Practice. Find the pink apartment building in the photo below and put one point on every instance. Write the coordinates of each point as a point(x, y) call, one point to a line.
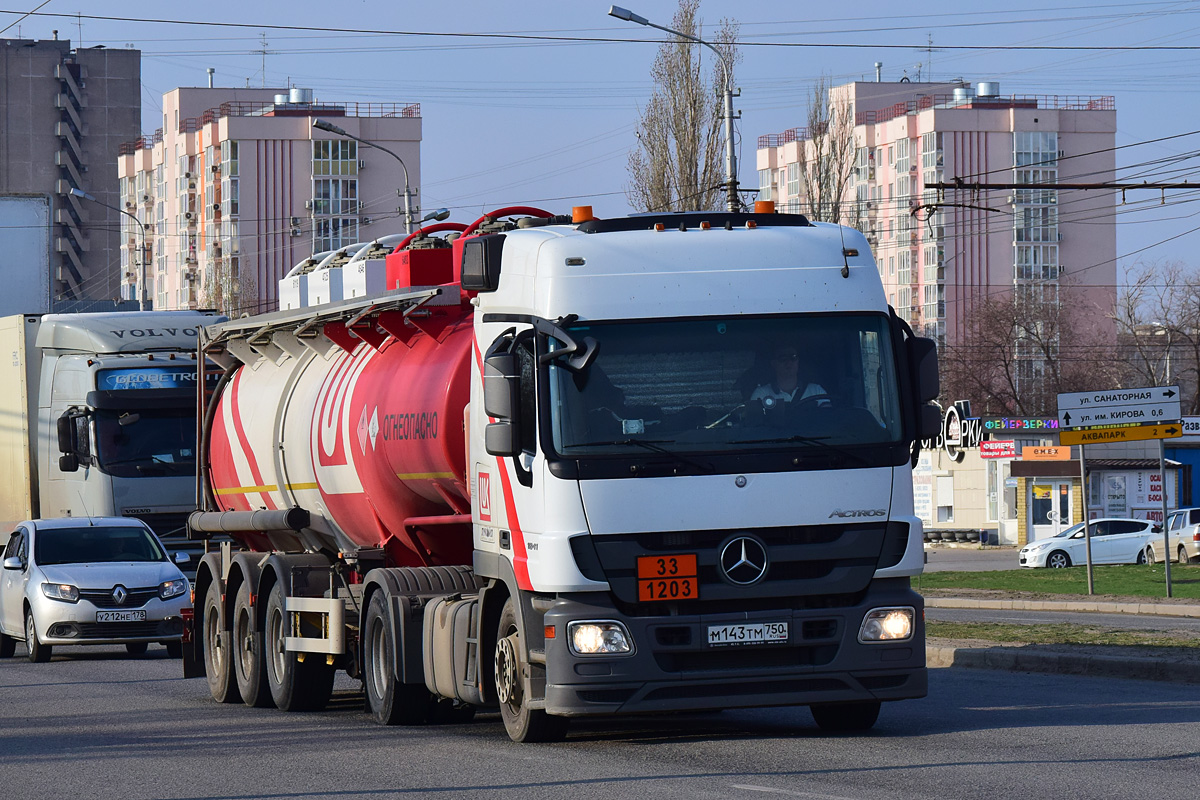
point(237, 187)
point(938, 266)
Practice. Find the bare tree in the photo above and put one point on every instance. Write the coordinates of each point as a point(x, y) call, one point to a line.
point(1158, 329)
point(226, 289)
point(827, 157)
point(1020, 351)
point(678, 164)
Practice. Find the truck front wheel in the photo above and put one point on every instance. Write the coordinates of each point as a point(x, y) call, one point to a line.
point(389, 701)
point(295, 685)
point(523, 723)
point(217, 665)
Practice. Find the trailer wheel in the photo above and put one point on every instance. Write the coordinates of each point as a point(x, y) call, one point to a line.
point(249, 666)
point(295, 685)
point(523, 724)
point(389, 701)
point(217, 665)
point(845, 717)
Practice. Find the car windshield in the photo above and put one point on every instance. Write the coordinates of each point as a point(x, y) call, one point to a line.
point(729, 384)
point(145, 443)
point(1071, 531)
point(95, 545)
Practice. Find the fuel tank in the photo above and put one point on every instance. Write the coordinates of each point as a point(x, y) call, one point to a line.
point(371, 442)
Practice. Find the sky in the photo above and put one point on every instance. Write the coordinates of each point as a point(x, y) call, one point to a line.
point(551, 122)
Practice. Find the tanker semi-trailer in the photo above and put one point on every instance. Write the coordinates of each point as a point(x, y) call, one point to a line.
point(568, 466)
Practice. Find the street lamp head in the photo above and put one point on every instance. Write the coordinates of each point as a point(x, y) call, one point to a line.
point(321, 124)
point(627, 15)
point(75, 192)
point(439, 215)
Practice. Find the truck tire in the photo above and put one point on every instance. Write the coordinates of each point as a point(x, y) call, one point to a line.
point(8, 645)
point(295, 685)
point(389, 701)
point(249, 666)
point(845, 717)
point(523, 724)
point(218, 665)
point(38, 653)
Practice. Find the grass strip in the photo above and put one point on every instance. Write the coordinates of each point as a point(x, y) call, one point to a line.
point(1126, 580)
point(1061, 633)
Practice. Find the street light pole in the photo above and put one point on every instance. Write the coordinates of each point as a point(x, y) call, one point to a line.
point(141, 265)
point(321, 124)
point(731, 182)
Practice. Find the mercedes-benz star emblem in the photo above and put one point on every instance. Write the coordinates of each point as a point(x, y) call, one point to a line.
point(119, 594)
point(744, 560)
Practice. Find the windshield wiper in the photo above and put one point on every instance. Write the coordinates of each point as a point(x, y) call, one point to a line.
point(654, 446)
point(815, 440)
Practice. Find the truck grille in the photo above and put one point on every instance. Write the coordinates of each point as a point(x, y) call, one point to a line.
point(811, 566)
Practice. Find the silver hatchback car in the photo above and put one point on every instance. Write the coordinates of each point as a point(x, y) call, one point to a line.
point(103, 580)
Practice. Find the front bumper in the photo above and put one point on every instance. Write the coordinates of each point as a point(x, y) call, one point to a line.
point(1033, 559)
point(60, 623)
point(673, 668)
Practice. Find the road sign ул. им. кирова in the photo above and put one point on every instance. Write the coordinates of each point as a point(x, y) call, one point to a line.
point(1119, 415)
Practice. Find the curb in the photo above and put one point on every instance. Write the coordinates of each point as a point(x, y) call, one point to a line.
point(1100, 607)
point(1018, 659)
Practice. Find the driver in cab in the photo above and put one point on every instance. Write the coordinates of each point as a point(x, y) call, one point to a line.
point(788, 385)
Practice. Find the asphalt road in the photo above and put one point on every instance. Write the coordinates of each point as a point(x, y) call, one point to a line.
point(970, 559)
point(96, 724)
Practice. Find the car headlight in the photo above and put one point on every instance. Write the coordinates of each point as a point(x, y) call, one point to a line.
point(599, 638)
point(887, 625)
point(61, 591)
point(170, 589)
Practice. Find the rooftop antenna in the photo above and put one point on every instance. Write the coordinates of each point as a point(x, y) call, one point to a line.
point(79, 22)
point(265, 52)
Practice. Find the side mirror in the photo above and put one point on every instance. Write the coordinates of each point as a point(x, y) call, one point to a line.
point(68, 462)
point(66, 433)
point(480, 269)
point(499, 385)
point(501, 439)
point(929, 421)
point(1156, 529)
point(13, 562)
point(923, 358)
point(182, 558)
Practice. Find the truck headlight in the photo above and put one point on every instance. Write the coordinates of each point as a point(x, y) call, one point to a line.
point(170, 589)
point(887, 625)
point(601, 637)
point(61, 591)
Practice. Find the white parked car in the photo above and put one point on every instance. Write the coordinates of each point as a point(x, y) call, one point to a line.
point(1114, 541)
point(103, 580)
point(1183, 526)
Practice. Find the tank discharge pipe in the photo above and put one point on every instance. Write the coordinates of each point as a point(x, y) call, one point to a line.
point(285, 519)
point(437, 228)
point(507, 211)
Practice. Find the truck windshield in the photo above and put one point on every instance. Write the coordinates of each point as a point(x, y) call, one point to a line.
point(94, 545)
point(729, 384)
point(146, 443)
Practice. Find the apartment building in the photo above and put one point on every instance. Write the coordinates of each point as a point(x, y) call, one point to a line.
point(63, 113)
point(237, 187)
point(940, 261)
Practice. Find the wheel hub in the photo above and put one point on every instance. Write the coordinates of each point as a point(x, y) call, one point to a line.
point(508, 680)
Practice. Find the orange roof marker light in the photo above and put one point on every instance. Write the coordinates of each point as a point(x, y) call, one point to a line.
point(764, 206)
point(751, 224)
point(705, 225)
point(658, 226)
point(581, 214)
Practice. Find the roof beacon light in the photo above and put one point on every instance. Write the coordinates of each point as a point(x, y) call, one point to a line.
point(764, 206)
point(581, 214)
